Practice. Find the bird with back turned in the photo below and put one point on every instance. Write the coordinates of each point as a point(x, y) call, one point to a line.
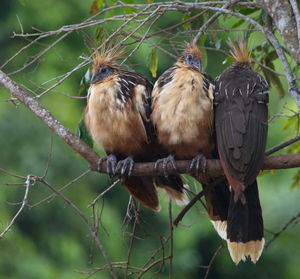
point(241, 122)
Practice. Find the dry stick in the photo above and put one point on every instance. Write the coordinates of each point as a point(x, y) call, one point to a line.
point(295, 219)
point(86, 221)
point(24, 202)
point(212, 261)
point(204, 27)
point(87, 61)
point(39, 55)
point(141, 169)
point(60, 189)
point(152, 265)
point(171, 239)
point(297, 17)
point(103, 193)
point(131, 245)
point(194, 200)
point(12, 174)
point(282, 145)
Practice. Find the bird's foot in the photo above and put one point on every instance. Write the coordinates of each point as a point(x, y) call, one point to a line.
point(111, 163)
point(125, 167)
point(165, 161)
point(198, 165)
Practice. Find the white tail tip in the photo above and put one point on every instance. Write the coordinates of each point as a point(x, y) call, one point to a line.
point(221, 228)
point(181, 198)
point(240, 251)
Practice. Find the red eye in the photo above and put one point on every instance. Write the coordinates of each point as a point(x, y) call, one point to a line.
point(190, 57)
point(103, 70)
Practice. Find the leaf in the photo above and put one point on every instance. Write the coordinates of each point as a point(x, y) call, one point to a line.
point(96, 6)
point(290, 122)
point(153, 62)
point(271, 77)
point(22, 2)
point(296, 182)
point(83, 134)
point(84, 84)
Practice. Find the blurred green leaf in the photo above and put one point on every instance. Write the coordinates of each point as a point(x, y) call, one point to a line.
point(153, 62)
point(83, 134)
point(22, 2)
point(290, 122)
point(270, 76)
point(85, 83)
point(296, 180)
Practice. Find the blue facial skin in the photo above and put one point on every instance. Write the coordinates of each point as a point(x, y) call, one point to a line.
point(102, 72)
point(191, 60)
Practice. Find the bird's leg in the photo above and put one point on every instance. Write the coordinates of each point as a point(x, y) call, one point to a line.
point(125, 166)
point(198, 164)
point(111, 163)
point(165, 161)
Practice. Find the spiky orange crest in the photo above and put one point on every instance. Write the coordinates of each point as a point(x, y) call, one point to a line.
point(190, 49)
point(240, 52)
point(106, 56)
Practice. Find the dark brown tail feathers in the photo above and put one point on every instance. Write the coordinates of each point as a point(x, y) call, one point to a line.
point(174, 186)
point(217, 203)
point(142, 189)
point(245, 235)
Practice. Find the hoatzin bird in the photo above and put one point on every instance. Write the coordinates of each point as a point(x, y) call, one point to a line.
point(183, 118)
point(240, 104)
point(117, 116)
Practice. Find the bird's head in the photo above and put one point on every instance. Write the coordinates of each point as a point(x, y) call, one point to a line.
point(100, 73)
point(192, 58)
point(105, 63)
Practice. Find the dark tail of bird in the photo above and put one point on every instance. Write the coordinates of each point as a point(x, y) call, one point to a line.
point(217, 203)
point(174, 186)
point(142, 189)
point(245, 236)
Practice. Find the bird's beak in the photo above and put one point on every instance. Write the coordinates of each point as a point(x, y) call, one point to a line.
point(95, 78)
point(196, 63)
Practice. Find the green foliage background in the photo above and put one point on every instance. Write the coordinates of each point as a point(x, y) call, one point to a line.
point(49, 240)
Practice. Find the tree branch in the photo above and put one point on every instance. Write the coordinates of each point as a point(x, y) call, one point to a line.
point(140, 169)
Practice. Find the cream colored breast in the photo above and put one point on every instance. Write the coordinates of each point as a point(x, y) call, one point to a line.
point(112, 123)
point(182, 107)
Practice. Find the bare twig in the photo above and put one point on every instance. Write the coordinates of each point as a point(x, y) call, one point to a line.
point(60, 189)
point(211, 20)
point(27, 184)
point(103, 193)
point(282, 145)
point(208, 267)
point(294, 219)
point(91, 228)
point(171, 228)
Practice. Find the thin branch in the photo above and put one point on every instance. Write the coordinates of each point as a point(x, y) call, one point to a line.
point(282, 145)
point(212, 260)
point(103, 193)
point(171, 228)
point(91, 228)
point(297, 17)
point(211, 20)
point(295, 219)
point(27, 184)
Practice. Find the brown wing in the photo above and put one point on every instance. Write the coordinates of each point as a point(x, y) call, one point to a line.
point(241, 112)
point(139, 88)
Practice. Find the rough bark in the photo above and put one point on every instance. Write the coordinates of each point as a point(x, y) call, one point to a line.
point(285, 20)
